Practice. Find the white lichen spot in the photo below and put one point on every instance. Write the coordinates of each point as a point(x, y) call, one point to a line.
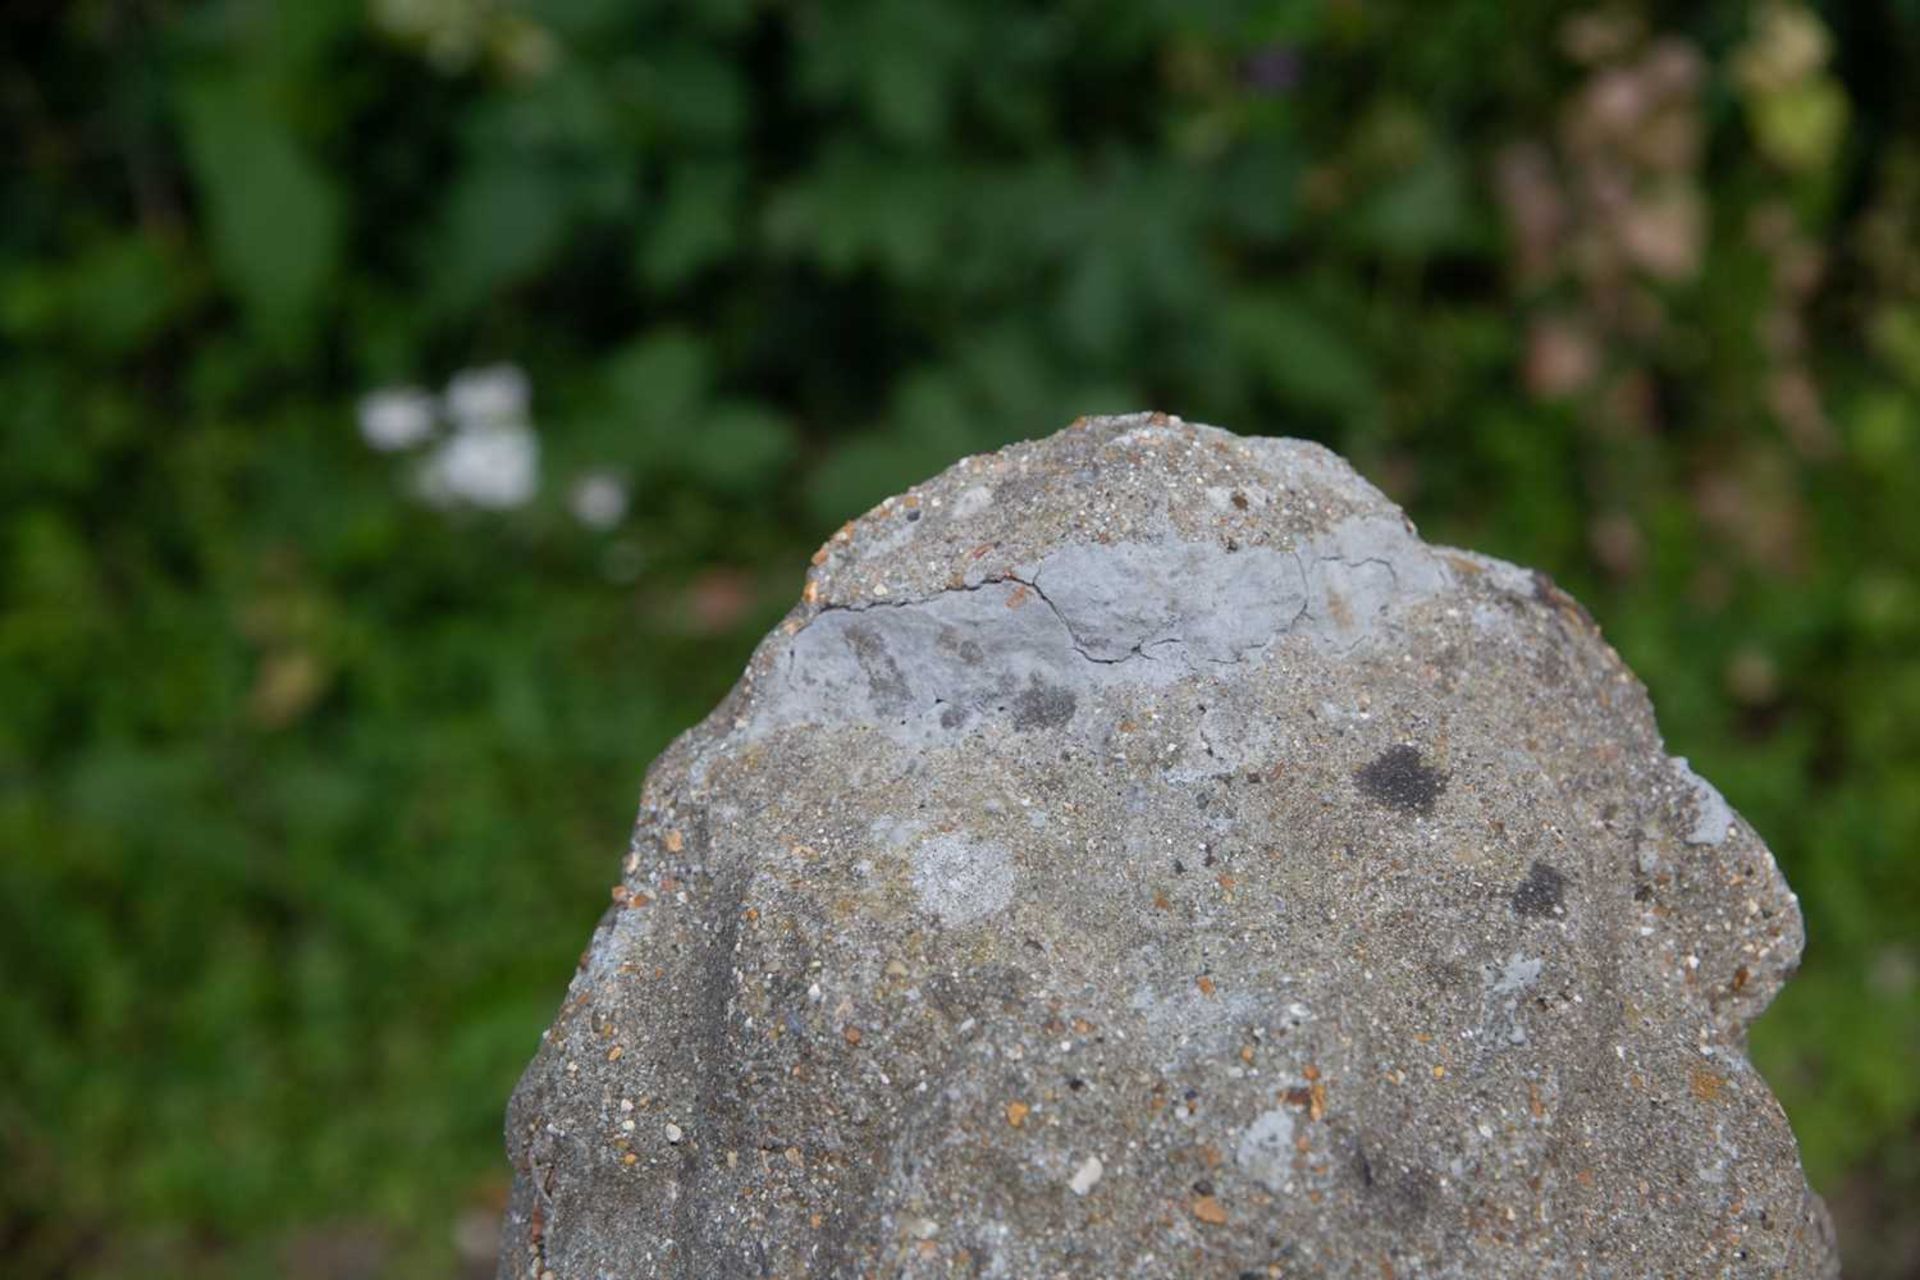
point(1244, 498)
point(961, 880)
point(972, 501)
point(1265, 1152)
point(895, 833)
point(1712, 814)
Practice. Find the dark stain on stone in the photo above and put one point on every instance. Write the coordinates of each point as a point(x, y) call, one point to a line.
point(1401, 780)
point(1542, 893)
point(1549, 593)
point(1041, 706)
point(1445, 975)
point(1409, 1197)
point(1397, 1192)
point(954, 642)
point(884, 678)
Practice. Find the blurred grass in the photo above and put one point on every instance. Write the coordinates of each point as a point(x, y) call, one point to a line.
point(309, 789)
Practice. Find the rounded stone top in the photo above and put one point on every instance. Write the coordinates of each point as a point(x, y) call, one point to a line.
point(1137, 478)
point(1139, 854)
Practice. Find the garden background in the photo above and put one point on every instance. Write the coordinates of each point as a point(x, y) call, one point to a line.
point(415, 409)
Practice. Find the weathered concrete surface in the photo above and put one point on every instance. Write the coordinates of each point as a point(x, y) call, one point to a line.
point(1140, 855)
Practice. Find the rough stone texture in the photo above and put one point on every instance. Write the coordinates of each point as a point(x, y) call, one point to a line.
point(1140, 855)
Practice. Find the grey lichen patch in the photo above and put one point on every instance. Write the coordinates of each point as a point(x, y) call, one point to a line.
point(1519, 973)
point(1507, 988)
point(961, 880)
point(1138, 854)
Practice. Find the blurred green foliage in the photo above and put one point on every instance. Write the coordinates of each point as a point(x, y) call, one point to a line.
point(308, 788)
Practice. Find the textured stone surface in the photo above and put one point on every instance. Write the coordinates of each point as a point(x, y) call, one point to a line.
point(1140, 855)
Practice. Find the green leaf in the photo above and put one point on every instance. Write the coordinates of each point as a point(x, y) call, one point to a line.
point(115, 296)
point(273, 214)
point(660, 379)
point(1425, 210)
point(699, 97)
point(866, 469)
point(503, 223)
point(860, 209)
point(1304, 356)
point(699, 224)
point(736, 448)
point(660, 414)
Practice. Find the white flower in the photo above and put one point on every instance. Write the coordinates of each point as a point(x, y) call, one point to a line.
point(495, 466)
point(599, 499)
point(396, 417)
point(490, 396)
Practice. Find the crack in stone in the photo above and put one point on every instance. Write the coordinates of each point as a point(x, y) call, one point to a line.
point(1002, 579)
point(1141, 649)
point(1073, 637)
point(1392, 572)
